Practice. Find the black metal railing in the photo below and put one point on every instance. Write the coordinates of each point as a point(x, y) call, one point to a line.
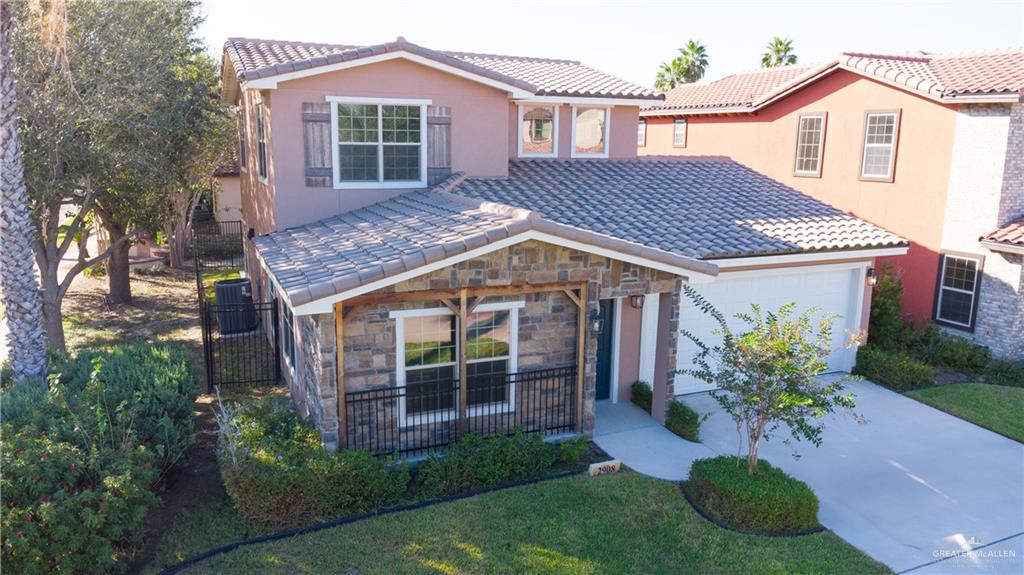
point(218, 245)
point(236, 346)
point(416, 420)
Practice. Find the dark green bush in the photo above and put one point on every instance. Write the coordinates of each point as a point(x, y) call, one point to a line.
point(768, 502)
point(1004, 372)
point(887, 329)
point(932, 345)
point(683, 421)
point(473, 462)
point(82, 451)
point(895, 370)
point(278, 474)
point(641, 395)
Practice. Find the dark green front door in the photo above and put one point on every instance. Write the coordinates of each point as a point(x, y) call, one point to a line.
point(604, 349)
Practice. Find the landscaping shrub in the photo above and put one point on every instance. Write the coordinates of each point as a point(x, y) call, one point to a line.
point(895, 370)
point(641, 395)
point(683, 421)
point(1004, 372)
point(768, 502)
point(81, 452)
point(474, 462)
point(278, 474)
point(933, 346)
point(886, 328)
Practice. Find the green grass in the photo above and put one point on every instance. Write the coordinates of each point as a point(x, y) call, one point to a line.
point(211, 277)
point(623, 523)
point(996, 407)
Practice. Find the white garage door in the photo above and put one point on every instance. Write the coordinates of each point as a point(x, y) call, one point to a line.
point(836, 289)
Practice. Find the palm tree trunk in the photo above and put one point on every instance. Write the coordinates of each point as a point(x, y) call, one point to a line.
point(23, 301)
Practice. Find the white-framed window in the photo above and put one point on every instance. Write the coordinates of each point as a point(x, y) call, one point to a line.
point(959, 285)
point(881, 133)
point(428, 358)
point(810, 144)
point(679, 133)
point(261, 141)
point(590, 129)
point(641, 132)
point(243, 151)
point(538, 130)
point(287, 322)
point(379, 142)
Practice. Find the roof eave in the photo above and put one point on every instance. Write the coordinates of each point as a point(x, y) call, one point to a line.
point(1004, 247)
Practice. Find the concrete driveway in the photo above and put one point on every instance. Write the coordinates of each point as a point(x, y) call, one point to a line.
point(914, 487)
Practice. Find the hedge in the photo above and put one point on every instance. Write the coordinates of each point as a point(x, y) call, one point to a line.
point(641, 395)
point(683, 421)
point(82, 451)
point(897, 371)
point(767, 502)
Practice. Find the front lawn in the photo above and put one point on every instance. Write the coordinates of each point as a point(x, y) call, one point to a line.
point(624, 523)
point(996, 407)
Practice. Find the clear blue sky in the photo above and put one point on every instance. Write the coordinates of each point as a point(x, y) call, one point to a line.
point(629, 39)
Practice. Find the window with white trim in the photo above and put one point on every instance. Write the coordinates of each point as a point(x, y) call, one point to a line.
point(679, 133)
point(641, 132)
point(243, 155)
point(427, 342)
point(810, 142)
point(881, 130)
point(287, 321)
point(379, 144)
point(261, 140)
point(959, 285)
point(590, 132)
point(538, 130)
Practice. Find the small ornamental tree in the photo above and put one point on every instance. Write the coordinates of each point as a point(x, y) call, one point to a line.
point(767, 376)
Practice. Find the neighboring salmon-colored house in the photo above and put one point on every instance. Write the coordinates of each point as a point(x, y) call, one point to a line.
point(927, 146)
point(467, 242)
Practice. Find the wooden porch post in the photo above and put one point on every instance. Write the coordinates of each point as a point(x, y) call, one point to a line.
point(581, 355)
point(463, 423)
point(339, 330)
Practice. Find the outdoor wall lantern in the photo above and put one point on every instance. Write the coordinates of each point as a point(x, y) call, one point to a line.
point(872, 277)
point(637, 301)
point(596, 322)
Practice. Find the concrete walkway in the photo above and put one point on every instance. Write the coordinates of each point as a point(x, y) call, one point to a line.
point(630, 435)
point(911, 486)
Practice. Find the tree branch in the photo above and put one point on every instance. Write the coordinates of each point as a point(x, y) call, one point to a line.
point(82, 264)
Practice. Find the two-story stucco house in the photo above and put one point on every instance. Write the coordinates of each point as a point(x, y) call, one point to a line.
point(928, 146)
point(468, 242)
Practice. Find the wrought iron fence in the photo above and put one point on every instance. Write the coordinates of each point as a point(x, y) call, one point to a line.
point(419, 419)
point(237, 347)
point(218, 245)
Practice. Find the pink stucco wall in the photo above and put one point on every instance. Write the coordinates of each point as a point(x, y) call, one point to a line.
point(629, 347)
point(912, 205)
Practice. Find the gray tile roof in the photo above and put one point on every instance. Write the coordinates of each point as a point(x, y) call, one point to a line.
point(702, 208)
point(253, 59)
point(344, 252)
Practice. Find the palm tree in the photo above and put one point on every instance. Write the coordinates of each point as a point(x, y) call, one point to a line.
point(22, 298)
point(780, 53)
point(689, 66)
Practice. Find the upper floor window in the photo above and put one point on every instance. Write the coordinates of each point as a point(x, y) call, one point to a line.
point(810, 142)
point(261, 141)
point(881, 132)
point(243, 153)
point(538, 130)
point(590, 132)
point(379, 143)
point(679, 133)
point(959, 284)
point(641, 133)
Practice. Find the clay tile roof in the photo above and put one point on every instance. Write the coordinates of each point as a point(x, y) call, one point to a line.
point(227, 168)
point(697, 207)
point(254, 58)
point(1012, 234)
point(947, 75)
point(738, 90)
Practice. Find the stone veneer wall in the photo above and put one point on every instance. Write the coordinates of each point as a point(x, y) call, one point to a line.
point(986, 190)
point(547, 322)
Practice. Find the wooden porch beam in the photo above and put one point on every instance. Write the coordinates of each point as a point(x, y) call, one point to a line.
point(438, 295)
point(339, 345)
point(476, 301)
point(575, 299)
point(450, 305)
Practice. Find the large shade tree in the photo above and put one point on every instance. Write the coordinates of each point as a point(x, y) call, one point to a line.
point(96, 77)
point(689, 66)
point(19, 284)
point(778, 53)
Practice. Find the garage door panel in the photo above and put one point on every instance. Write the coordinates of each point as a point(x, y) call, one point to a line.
point(834, 291)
